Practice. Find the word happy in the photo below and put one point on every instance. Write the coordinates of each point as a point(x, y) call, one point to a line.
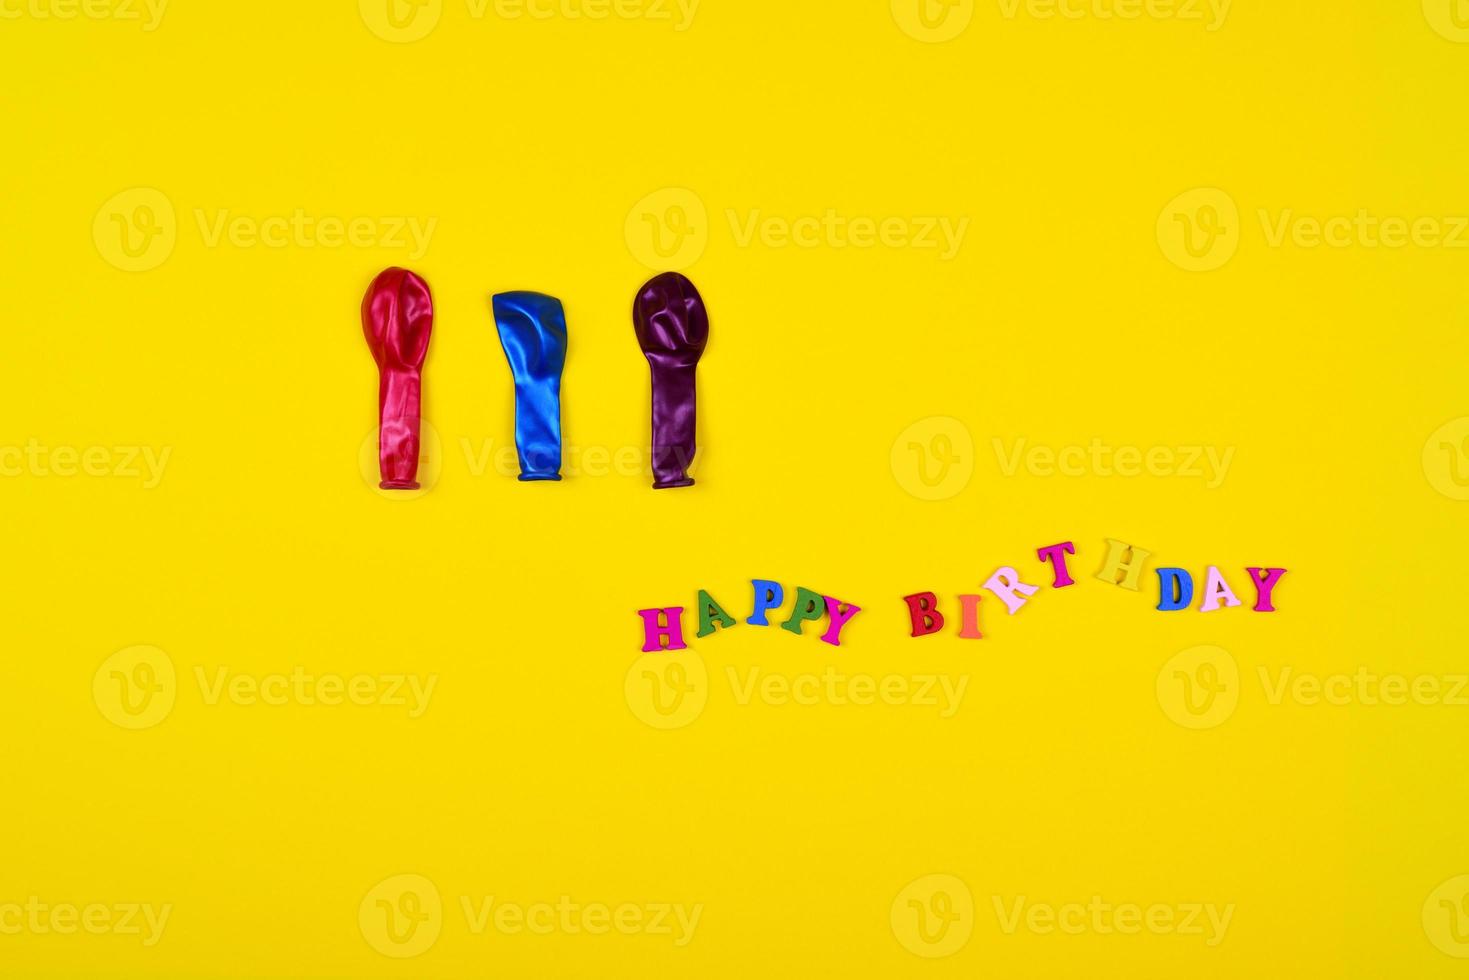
point(1123, 568)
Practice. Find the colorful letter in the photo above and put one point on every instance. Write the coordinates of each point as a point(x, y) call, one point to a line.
point(1175, 589)
point(1124, 565)
point(923, 610)
point(711, 612)
point(839, 618)
point(1005, 583)
point(1056, 555)
point(654, 634)
point(809, 606)
point(969, 617)
point(768, 596)
point(1264, 586)
point(1215, 589)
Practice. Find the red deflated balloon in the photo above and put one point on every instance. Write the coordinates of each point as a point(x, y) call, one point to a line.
point(397, 317)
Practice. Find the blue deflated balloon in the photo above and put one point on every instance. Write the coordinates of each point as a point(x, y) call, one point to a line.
point(532, 330)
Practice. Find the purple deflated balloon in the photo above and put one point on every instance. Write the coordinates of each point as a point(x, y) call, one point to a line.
point(672, 327)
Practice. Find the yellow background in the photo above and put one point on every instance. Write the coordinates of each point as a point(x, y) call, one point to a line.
point(531, 775)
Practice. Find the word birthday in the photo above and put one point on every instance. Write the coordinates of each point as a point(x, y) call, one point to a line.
point(1123, 568)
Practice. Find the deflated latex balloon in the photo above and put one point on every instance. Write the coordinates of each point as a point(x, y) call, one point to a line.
point(672, 327)
point(397, 317)
point(532, 330)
